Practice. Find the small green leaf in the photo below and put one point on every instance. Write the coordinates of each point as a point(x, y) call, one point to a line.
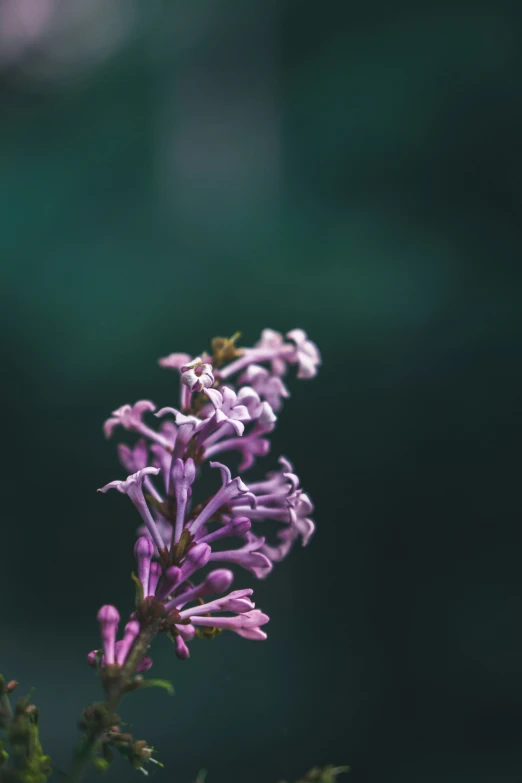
point(179, 550)
point(100, 765)
point(326, 775)
point(139, 588)
point(165, 684)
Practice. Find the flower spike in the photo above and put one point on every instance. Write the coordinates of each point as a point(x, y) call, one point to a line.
point(227, 402)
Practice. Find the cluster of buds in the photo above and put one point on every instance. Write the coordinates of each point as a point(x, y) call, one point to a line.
point(228, 402)
point(137, 752)
point(97, 720)
point(26, 762)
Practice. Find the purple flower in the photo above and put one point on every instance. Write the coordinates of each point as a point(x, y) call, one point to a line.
point(246, 625)
point(230, 489)
point(276, 479)
point(174, 360)
point(273, 341)
point(215, 582)
point(272, 348)
point(246, 620)
point(279, 498)
point(163, 458)
point(300, 508)
point(228, 408)
point(183, 474)
point(163, 461)
point(130, 418)
point(134, 459)
point(237, 601)
point(270, 387)
point(307, 354)
point(119, 651)
point(251, 445)
point(186, 540)
point(133, 487)
point(164, 529)
point(187, 426)
point(248, 556)
point(197, 375)
point(237, 527)
point(287, 537)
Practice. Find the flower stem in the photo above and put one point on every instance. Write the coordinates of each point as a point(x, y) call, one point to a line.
point(115, 689)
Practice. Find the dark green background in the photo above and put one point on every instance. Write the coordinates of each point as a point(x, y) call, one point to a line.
point(352, 169)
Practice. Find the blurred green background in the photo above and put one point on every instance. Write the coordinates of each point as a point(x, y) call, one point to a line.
point(170, 171)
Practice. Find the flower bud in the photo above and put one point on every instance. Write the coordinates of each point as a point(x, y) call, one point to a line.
point(108, 618)
point(91, 658)
point(219, 581)
point(171, 579)
point(144, 665)
point(154, 575)
point(195, 559)
point(239, 526)
point(143, 551)
point(182, 651)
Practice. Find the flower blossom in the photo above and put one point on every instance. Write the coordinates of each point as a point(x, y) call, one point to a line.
point(197, 375)
point(270, 387)
point(279, 498)
point(133, 487)
point(272, 348)
point(182, 535)
point(230, 489)
point(130, 418)
point(228, 408)
point(175, 360)
point(251, 445)
point(307, 354)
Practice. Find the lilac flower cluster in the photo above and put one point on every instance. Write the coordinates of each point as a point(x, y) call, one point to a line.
point(216, 415)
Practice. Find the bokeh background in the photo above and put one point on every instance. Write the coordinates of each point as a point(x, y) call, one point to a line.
point(174, 170)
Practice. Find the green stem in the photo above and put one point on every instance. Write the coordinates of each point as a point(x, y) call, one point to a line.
point(7, 710)
point(89, 744)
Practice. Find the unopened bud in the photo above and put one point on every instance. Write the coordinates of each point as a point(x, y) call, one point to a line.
point(219, 581)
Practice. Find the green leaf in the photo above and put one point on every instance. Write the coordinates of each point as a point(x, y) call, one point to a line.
point(179, 550)
point(100, 765)
point(139, 588)
point(326, 775)
point(165, 684)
